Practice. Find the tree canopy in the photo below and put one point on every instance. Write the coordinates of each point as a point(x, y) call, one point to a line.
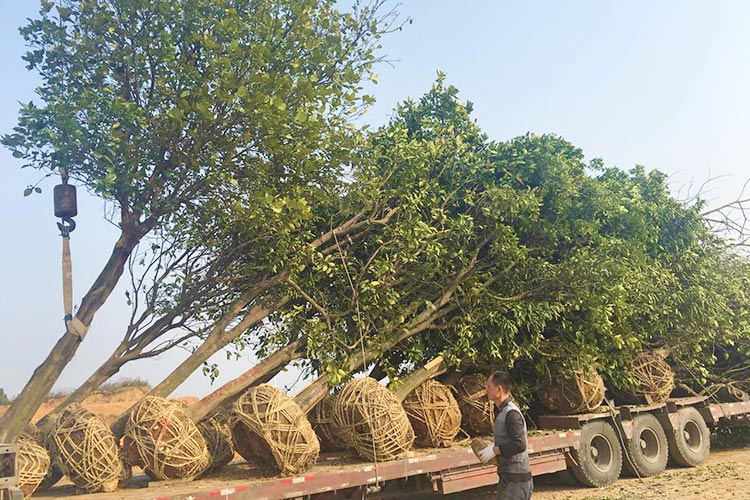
point(168, 109)
point(221, 135)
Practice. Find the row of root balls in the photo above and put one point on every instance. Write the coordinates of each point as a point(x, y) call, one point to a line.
point(583, 390)
point(267, 428)
point(159, 437)
point(368, 418)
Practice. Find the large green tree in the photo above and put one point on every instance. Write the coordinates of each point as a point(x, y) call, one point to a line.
point(156, 106)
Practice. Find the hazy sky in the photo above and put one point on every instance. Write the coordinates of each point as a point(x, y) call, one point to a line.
point(663, 84)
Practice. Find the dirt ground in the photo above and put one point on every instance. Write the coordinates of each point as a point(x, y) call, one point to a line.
point(726, 475)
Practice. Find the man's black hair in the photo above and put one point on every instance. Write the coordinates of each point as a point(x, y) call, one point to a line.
point(502, 379)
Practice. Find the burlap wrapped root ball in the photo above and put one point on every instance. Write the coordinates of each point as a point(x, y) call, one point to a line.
point(215, 430)
point(373, 420)
point(165, 442)
point(321, 418)
point(269, 428)
point(32, 464)
point(654, 380)
point(580, 391)
point(87, 450)
point(434, 414)
point(477, 414)
point(43, 437)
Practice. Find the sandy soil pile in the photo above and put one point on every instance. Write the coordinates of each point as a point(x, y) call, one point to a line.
point(108, 404)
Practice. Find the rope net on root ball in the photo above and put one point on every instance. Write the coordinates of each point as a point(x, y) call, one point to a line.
point(373, 420)
point(269, 428)
point(165, 442)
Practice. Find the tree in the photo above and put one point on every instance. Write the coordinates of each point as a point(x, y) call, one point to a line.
point(158, 106)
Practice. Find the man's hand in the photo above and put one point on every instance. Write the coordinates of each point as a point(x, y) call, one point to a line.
point(486, 454)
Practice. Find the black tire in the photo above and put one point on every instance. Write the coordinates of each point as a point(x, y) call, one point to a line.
point(598, 458)
point(690, 443)
point(647, 451)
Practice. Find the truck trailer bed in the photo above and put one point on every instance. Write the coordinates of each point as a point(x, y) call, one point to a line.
point(445, 469)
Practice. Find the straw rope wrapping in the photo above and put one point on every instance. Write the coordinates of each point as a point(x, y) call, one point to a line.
point(373, 420)
point(434, 414)
point(654, 377)
point(328, 433)
point(215, 430)
point(270, 428)
point(87, 450)
point(476, 410)
point(167, 443)
point(44, 439)
point(32, 465)
point(581, 391)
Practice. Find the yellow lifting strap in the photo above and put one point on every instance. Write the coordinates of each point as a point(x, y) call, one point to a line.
point(73, 325)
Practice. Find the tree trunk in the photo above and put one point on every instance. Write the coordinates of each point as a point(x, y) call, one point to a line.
point(46, 374)
point(415, 379)
point(125, 352)
point(317, 390)
point(108, 369)
point(225, 405)
point(216, 340)
point(270, 365)
point(313, 393)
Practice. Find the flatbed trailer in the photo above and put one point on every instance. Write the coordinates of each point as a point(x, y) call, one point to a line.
point(593, 447)
point(445, 471)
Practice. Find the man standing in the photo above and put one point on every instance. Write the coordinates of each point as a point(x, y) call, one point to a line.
point(510, 442)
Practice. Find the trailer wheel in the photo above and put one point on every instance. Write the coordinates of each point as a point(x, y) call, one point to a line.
point(599, 456)
point(647, 451)
point(690, 443)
